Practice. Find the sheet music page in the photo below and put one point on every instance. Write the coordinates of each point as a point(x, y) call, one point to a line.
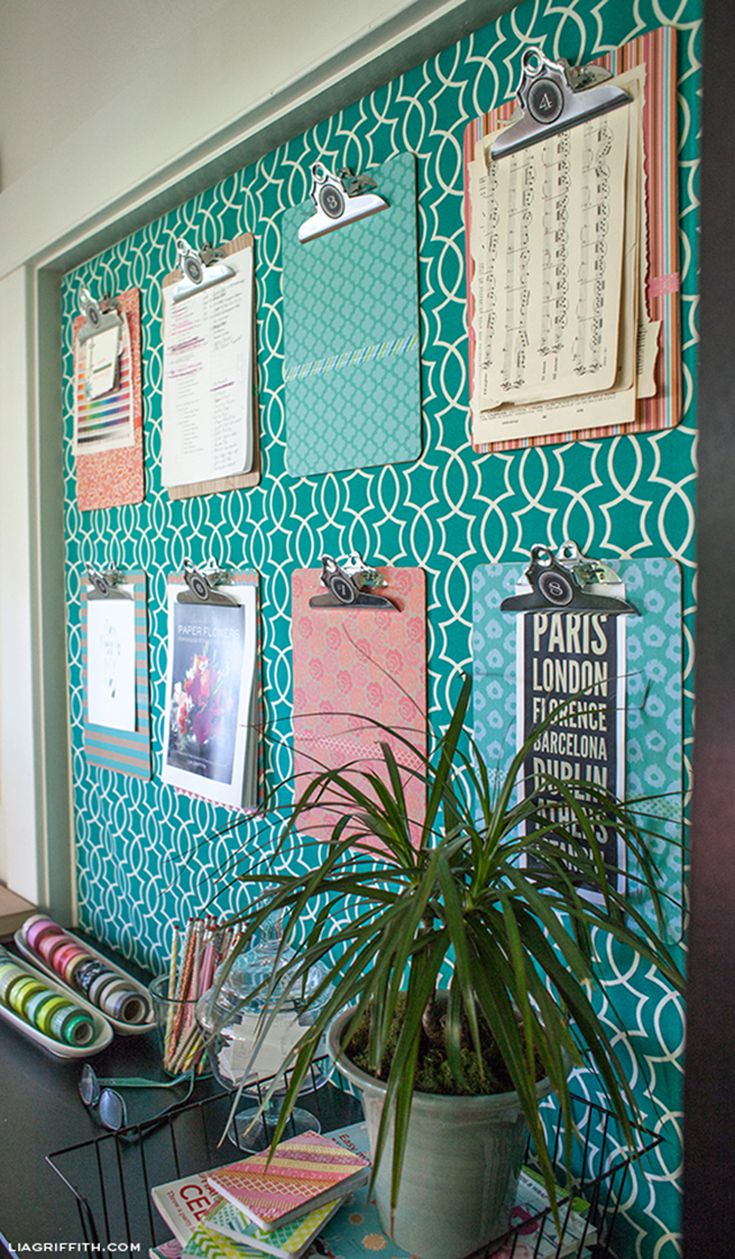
point(207, 379)
point(638, 336)
point(549, 268)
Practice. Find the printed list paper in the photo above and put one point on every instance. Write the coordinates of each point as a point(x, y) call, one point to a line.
point(207, 386)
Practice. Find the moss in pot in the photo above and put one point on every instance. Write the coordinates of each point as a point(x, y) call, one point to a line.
point(467, 961)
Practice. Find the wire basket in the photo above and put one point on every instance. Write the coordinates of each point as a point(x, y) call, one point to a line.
point(111, 1176)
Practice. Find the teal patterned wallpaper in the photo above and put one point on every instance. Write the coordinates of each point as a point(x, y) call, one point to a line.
point(139, 866)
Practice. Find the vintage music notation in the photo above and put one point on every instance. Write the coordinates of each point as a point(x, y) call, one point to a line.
point(558, 233)
point(549, 267)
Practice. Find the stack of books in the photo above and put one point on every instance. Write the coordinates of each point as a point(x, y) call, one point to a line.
point(265, 1204)
point(311, 1200)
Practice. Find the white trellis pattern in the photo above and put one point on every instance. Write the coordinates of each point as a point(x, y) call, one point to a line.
point(139, 859)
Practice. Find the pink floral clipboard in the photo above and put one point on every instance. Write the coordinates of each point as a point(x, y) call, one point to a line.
point(357, 670)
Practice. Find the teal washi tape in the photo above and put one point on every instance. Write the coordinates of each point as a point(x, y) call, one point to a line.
point(35, 1007)
point(72, 1025)
point(78, 1029)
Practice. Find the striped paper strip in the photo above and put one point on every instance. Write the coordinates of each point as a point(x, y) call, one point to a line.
point(351, 358)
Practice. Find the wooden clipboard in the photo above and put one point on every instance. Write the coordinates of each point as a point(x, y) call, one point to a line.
point(243, 480)
point(114, 478)
point(657, 52)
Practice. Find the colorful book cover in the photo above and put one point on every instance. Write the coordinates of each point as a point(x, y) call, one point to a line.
point(534, 1234)
point(303, 1173)
point(206, 1244)
point(287, 1242)
point(184, 1203)
point(171, 1249)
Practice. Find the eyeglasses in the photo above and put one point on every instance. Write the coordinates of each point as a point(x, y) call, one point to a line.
point(108, 1106)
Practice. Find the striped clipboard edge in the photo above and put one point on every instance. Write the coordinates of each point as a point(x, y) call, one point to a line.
point(120, 750)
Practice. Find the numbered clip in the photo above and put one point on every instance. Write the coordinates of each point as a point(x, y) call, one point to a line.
point(99, 316)
point(339, 199)
point(105, 585)
point(568, 582)
point(201, 269)
point(350, 584)
point(552, 97)
point(201, 583)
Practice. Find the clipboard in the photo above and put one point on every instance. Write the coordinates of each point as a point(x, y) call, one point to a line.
point(123, 751)
point(351, 323)
point(647, 668)
point(656, 52)
point(114, 476)
point(352, 664)
point(207, 587)
point(243, 480)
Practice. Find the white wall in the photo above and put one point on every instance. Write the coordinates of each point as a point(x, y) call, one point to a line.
point(18, 862)
point(61, 59)
point(112, 112)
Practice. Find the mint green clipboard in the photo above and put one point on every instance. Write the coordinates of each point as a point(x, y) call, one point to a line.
point(351, 333)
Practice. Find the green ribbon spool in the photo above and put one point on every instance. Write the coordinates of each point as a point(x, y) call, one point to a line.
point(13, 982)
point(22, 992)
point(10, 974)
point(47, 1013)
point(72, 1025)
point(80, 1029)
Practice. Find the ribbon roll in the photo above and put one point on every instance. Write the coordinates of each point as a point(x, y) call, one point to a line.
point(72, 1025)
point(21, 993)
point(9, 976)
point(36, 1007)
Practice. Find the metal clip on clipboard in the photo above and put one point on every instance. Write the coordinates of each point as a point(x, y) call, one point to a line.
point(105, 585)
point(350, 584)
point(339, 199)
point(201, 584)
point(568, 582)
point(201, 269)
point(552, 97)
point(99, 316)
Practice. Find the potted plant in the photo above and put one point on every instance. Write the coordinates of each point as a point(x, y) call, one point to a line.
point(462, 982)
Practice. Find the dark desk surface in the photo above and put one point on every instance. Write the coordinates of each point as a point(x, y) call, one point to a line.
point(41, 1113)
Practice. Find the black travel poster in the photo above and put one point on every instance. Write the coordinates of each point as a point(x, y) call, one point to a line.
point(576, 661)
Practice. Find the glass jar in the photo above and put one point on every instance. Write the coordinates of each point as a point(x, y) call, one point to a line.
point(245, 1043)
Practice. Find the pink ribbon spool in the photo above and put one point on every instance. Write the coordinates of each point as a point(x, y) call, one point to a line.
point(50, 944)
point(65, 956)
point(39, 927)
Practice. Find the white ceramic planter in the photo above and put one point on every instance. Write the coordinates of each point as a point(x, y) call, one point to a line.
point(461, 1167)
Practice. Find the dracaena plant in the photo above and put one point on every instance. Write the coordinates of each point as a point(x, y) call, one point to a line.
point(475, 927)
